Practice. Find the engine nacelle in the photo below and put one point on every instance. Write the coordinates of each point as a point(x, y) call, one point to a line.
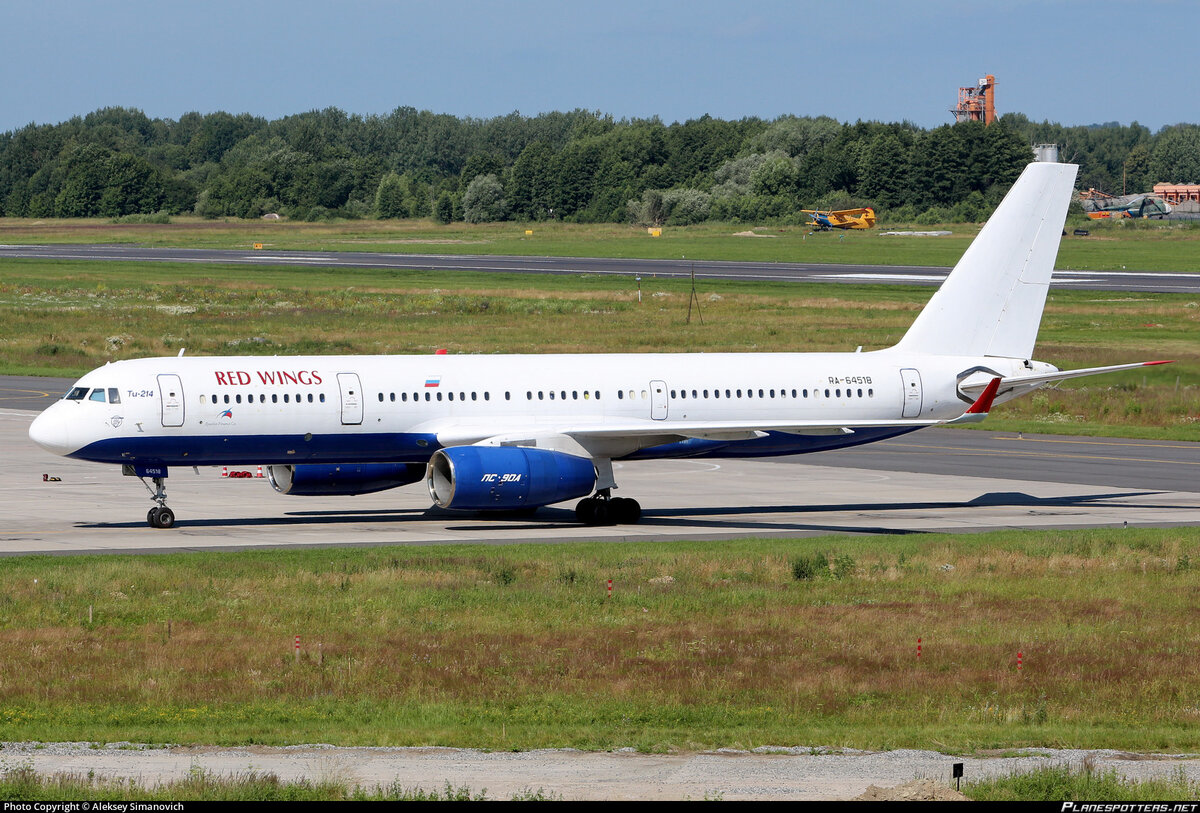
point(319, 479)
point(479, 478)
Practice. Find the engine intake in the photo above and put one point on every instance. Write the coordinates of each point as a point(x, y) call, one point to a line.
point(317, 479)
point(479, 478)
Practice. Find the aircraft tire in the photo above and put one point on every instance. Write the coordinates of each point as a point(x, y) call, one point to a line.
point(626, 511)
point(161, 517)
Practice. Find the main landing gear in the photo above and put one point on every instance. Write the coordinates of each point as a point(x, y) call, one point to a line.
point(159, 516)
point(605, 509)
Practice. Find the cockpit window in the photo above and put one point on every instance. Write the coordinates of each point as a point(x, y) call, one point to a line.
point(97, 394)
point(76, 394)
point(114, 395)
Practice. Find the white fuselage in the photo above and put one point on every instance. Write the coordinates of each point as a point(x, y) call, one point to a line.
point(279, 410)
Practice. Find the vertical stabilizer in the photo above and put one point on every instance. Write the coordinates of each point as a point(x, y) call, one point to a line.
point(991, 304)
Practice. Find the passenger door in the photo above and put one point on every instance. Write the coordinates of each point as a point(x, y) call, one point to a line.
point(912, 392)
point(351, 394)
point(170, 393)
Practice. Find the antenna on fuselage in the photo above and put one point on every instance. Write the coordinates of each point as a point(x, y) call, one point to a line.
point(181, 352)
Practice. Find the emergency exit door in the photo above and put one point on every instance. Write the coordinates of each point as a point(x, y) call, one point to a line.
point(658, 400)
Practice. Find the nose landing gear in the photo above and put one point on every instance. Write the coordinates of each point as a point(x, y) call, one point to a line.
point(159, 516)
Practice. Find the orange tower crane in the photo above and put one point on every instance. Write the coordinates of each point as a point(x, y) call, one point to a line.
point(977, 103)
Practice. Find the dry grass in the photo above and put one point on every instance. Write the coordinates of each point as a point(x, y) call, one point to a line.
point(486, 647)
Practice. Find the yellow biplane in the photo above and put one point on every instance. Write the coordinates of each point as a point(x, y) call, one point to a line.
point(841, 218)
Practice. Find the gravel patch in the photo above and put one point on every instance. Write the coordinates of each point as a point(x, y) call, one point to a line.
point(791, 773)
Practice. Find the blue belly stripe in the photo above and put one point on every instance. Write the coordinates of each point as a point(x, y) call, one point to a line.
point(249, 450)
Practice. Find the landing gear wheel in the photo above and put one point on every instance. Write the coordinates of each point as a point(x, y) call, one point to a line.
point(585, 511)
point(161, 517)
point(166, 518)
point(625, 511)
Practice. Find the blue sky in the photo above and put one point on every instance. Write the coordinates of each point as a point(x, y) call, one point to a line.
point(1070, 61)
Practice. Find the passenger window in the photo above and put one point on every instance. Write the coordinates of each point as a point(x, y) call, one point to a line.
point(450, 395)
point(226, 398)
point(381, 397)
point(551, 395)
point(871, 393)
point(274, 398)
point(391, 397)
point(322, 397)
point(310, 397)
point(286, 398)
point(427, 397)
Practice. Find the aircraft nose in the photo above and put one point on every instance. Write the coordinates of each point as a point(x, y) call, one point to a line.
point(49, 430)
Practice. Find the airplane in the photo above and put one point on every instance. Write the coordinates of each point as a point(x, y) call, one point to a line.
point(517, 432)
point(841, 218)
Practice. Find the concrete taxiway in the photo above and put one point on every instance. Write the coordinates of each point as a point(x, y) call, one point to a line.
point(1127, 281)
point(60, 506)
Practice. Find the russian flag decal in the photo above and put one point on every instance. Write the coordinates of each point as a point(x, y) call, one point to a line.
point(433, 381)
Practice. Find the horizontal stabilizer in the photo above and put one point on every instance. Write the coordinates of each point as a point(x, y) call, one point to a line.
point(1029, 381)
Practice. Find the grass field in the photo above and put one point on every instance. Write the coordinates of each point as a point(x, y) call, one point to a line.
point(702, 644)
point(1149, 245)
point(66, 318)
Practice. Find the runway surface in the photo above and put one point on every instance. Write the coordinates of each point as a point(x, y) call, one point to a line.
point(1127, 281)
point(934, 480)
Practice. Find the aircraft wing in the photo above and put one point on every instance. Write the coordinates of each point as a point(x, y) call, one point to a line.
point(460, 435)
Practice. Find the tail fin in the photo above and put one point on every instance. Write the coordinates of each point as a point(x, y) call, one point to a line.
point(991, 304)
